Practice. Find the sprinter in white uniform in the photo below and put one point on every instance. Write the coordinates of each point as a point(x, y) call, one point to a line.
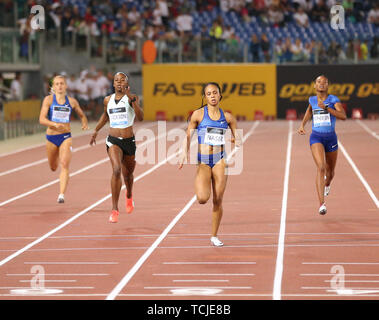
point(120, 108)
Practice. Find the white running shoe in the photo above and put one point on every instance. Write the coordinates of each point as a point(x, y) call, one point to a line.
point(60, 198)
point(322, 209)
point(326, 191)
point(216, 242)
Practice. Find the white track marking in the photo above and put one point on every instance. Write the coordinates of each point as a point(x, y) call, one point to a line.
point(31, 164)
point(338, 263)
point(281, 241)
point(76, 216)
point(374, 134)
point(113, 294)
point(216, 262)
point(60, 274)
point(70, 262)
point(198, 280)
point(20, 196)
point(204, 274)
point(357, 172)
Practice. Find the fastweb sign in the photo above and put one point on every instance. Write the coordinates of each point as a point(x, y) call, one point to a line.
point(176, 90)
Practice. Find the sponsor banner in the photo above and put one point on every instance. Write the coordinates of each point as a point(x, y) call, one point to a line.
point(357, 86)
point(176, 90)
point(22, 110)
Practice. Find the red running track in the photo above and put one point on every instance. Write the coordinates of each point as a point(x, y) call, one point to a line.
point(276, 244)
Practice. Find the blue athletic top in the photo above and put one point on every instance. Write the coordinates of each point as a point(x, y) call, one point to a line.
point(322, 120)
point(212, 132)
point(60, 112)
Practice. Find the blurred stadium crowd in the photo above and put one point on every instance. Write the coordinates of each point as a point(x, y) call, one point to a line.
point(289, 30)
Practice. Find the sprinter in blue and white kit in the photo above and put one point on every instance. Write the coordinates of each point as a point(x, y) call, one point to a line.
point(323, 109)
point(211, 123)
point(120, 109)
point(55, 114)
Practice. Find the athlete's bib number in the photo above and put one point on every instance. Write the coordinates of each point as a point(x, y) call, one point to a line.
point(215, 136)
point(61, 114)
point(118, 117)
point(321, 118)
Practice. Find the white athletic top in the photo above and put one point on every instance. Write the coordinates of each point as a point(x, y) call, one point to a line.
point(121, 115)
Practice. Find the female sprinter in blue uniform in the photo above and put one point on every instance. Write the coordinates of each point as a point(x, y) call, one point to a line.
point(211, 123)
point(120, 109)
point(324, 109)
point(55, 114)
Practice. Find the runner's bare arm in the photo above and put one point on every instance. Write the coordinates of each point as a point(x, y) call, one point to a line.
point(232, 122)
point(193, 123)
point(102, 121)
point(75, 105)
point(307, 117)
point(47, 101)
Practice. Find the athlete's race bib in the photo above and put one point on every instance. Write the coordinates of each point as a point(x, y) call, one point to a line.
point(118, 117)
point(214, 136)
point(321, 118)
point(61, 114)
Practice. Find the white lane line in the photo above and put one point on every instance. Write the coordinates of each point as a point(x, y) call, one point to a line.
point(281, 241)
point(63, 280)
point(336, 263)
point(6, 288)
point(44, 143)
point(356, 281)
point(374, 134)
point(112, 295)
point(66, 262)
point(204, 274)
point(216, 262)
point(154, 288)
point(197, 280)
point(31, 164)
point(346, 274)
point(67, 222)
point(59, 274)
point(22, 195)
point(357, 172)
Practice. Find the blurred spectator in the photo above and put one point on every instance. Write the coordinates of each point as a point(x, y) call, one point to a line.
point(16, 88)
point(184, 22)
point(265, 47)
point(297, 51)
point(254, 48)
point(287, 52)
point(309, 52)
point(373, 15)
point(275, 16)
point(320, 12)
point(350, 50)
point(374, 50)
point(278, 50)
point(364, 50)
point(71, 85)
point(232, 51)
point(133, 16)
point(332, 52)
point(83, 90)
point(301, 18)
point(163, 8)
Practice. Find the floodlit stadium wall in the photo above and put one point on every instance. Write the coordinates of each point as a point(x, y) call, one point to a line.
point(173, 91)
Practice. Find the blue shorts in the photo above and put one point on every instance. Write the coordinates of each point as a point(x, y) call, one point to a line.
point(57, 139)
point(211, 159)
point(327, 139)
